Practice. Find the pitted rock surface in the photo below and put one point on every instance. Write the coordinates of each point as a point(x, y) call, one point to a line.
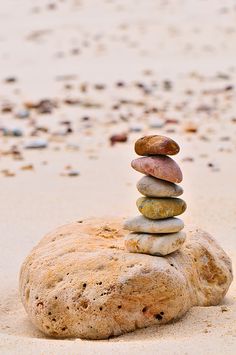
point(80, 282)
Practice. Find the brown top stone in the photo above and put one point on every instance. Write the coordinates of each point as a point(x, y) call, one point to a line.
point(156, 144)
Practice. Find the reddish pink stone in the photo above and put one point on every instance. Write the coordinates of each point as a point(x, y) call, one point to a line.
point(161, 167)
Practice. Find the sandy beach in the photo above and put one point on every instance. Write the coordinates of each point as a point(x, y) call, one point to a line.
point(108, 68)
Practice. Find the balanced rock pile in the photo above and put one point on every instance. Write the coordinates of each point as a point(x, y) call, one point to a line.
point(81, 281)
point(157, 231)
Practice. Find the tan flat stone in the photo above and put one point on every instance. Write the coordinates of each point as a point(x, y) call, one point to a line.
point(154, 244)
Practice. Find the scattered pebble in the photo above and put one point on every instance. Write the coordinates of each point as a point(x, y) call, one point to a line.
point(27, 167)
point(190, 127)
point(155, 122)
point(188, 159)
point(22, 114)
point(167, 85)
point(7, 173)
point(71, 173)
point(7, 107)
point(213, 167)
point(136, 128)
point(11, 132)
point(171, 121)
point(10, 79)
point(118, 138)
point(37, 144)
point(225, 139)
point(204, 138)
point(45, 106)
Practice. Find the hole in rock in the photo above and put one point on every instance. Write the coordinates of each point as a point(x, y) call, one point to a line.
point(54, 319)
point(84, 285)
point(55, 297)
point(49, 313)
point(100, 308)
point(130, 266)
point(171, 264)
point(68, 307)
point(144, 309)
point(63, 329)
point(39, 304)
point(84, 304)
point(100, 267)
point(162, 313)
point(158, 316)
point(119, 306)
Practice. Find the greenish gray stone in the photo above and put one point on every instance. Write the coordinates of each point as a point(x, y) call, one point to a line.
point(160, 208)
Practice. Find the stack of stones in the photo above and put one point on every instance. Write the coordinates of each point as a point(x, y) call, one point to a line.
point(157, 231)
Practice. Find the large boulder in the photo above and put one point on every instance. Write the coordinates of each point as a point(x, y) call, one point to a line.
point(80, 282)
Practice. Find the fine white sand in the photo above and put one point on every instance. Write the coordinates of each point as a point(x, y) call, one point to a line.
point(187, 42)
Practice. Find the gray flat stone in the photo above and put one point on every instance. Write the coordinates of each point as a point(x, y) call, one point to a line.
point(153, 187)
point(145, 225)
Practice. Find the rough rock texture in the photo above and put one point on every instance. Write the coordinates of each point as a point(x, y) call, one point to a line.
point(153, 187)
point(154, 244)
point(160, 208)
point(146, 225)
point(79, 282)
point(160, 166)
point(156, 144)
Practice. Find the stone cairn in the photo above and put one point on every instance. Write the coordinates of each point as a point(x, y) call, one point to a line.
point(157, 231)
